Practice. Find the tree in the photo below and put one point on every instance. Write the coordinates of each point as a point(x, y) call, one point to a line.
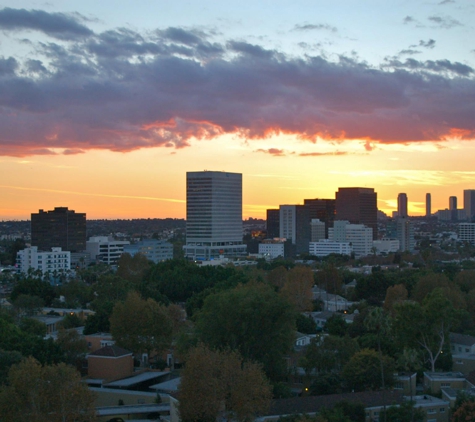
point(34, 287)
point(219, 383)
point(394, 294)
point(277, 277)
point(28, 305)
point(141, 325)
point(133, 268)
point(306, 324)
point(336, 325)
point(33, 326)
point(403, 413)
point(49, 393)
point(298, 288)
point(465, 413)
point(328, 354)
point(363, 372)
point(72, 345)
point(426, 326)
point(252, 319)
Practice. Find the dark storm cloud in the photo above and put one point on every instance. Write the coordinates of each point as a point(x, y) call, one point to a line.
point(58, 25)
point(121, 90)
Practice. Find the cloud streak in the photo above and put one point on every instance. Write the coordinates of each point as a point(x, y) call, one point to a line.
point(122, 90)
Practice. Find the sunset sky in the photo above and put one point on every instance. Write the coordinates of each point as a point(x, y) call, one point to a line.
point(104, 105)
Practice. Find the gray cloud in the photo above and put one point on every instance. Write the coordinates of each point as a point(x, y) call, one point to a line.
point(434, 66)
point(58, 25)
point(408, 52)
point(444, 22)
point(315, 27)
point(121, 90)
point(427, 44)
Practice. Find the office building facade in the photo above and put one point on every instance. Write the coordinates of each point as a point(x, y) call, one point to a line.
point(359, 236)
point(467, 232)
point(295, 226)
point(61, 228)
point(213, 215)
point(428, 205)
point(405, 234)
point(273, 223)
point(323, 209)
point(402, 205)
point(469, 204)
point(105, 249)
point(358, 206)
point(154, 250)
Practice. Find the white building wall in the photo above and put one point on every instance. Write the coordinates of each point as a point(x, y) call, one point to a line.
point(52, 261)
point(386, 245)
point(273, 250)
point(317, 230)
point(326, 247)
point(288, 222)
point(105, 249)
point(358, 235)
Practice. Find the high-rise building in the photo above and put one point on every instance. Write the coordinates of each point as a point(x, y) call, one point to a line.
point(469, 204)
point(405, 234)
point(359, 236)
point(358, 206)
point(428, 205)
point(213, 215)
point(453, 208)
point(323, 209)
point(452, 203)
point(272, 223)
point(317, 230)
point(295, 226)
point(60, 228)
point(402, 205)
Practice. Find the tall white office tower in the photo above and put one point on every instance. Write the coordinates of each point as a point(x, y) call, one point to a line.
point(213, 215)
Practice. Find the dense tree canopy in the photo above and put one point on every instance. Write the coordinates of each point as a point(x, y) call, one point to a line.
point(141, 325)
point(362, 372)
point(219, 383)
point(45, 393)
point(252, 319)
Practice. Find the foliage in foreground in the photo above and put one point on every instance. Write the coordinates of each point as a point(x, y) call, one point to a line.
point(52, 393)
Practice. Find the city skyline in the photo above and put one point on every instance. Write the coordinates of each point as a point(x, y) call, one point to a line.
point(105, 107)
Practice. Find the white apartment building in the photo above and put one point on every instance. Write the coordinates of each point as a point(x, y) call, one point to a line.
point(467, 232)
point(105, 249)
point(326, 247)
point(358, 235)
point(53, 261)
